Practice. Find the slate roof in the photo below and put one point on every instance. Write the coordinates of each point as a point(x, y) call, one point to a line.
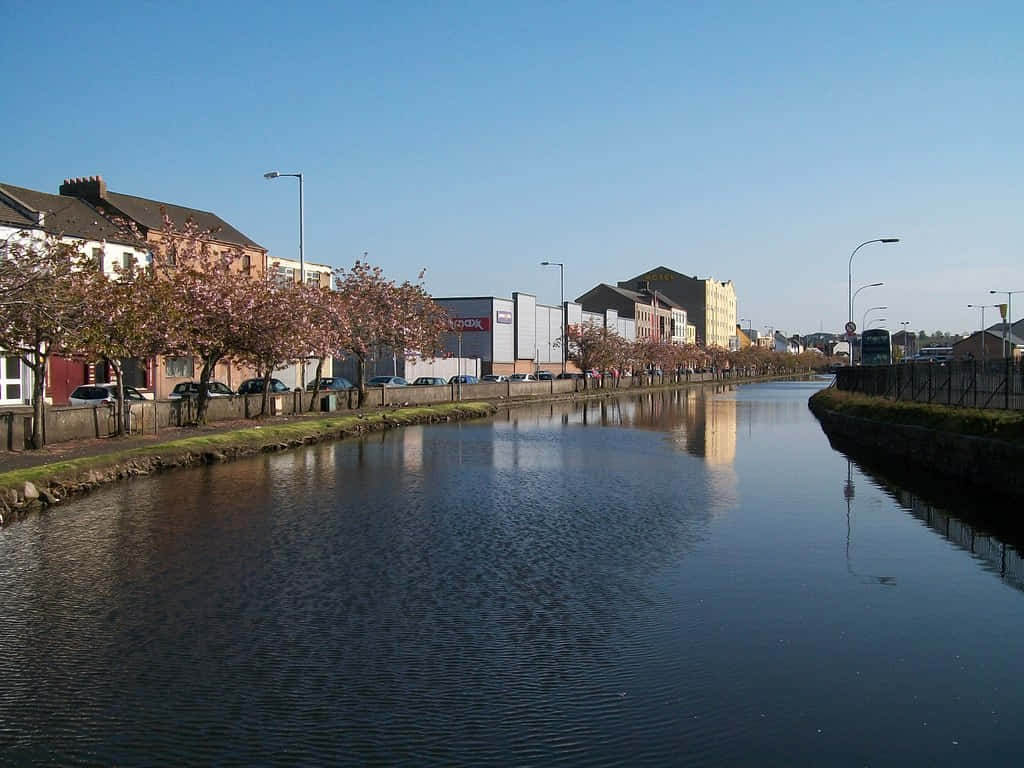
point(640, 298)
point(148, 213)
point(61, 215)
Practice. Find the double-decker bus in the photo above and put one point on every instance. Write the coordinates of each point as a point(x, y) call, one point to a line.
point(875, 347)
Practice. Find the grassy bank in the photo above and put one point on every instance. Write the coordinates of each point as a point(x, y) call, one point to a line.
point(61, 479)
point(998, 424)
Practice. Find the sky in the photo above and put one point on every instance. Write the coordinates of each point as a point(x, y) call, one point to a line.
point(753, 142)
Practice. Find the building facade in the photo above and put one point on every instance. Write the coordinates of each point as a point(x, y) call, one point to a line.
point(710, 303)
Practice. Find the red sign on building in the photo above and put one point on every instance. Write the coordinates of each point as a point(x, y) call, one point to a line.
point(467, 324)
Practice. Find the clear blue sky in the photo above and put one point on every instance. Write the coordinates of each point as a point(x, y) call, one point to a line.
point(757, 142)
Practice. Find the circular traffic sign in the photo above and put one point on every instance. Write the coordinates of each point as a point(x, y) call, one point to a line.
point(851, 326)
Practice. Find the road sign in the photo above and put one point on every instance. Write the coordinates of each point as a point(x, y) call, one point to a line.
point(851, 326)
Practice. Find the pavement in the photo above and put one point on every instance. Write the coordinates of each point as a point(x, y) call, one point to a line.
point(89, 447)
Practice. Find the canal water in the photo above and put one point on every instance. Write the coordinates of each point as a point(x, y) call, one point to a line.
point(693, 577)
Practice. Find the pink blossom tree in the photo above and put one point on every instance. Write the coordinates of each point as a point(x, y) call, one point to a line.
point(128, 315)
point(39, 304)
point(382, 314)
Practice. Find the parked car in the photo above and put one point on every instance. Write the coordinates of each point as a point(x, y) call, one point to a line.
point(522, 377)
point(464, 379)
point(545, 376)
point(429, 381)
point(255, 386)
point(494, 377)
point(99, 394)
point(569, 376)
point(191, 389)
point(592, 374)
point(331, 383)
point(387, 381)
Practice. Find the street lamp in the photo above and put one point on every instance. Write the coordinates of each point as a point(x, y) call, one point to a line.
point(880, 320)
point(864, 319)
point(984, 340)
point(1008, 327)
point(849, 291)
point(302, 260)
point(561, 293)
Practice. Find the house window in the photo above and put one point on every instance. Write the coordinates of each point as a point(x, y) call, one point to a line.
point(10, 377)
point(126, 259)
point(246, 262)
point(97, 254)
point(180, 367)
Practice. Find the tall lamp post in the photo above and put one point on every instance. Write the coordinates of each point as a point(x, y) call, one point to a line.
point(302, 256)
point(1009, 319)
point(984, 344)
point(850, 336)
point(880, 320)
point(561, 294)
point(302, 260)
point(850, 268)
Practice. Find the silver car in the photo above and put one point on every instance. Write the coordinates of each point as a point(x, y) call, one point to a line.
point(100, 394)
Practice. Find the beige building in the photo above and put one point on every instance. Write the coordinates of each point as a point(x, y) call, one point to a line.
point(710, 304)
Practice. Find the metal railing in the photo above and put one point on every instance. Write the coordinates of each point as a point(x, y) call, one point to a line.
point(968, 384)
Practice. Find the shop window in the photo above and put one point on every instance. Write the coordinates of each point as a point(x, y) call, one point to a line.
point(180, 367)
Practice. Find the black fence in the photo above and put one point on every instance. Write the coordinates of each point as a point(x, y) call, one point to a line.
point(970, 384)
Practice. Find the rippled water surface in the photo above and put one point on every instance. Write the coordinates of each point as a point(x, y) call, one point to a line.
point(686, 578)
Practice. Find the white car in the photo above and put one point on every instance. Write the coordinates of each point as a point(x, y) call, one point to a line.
point(99, 394)
point(494, 377)
point(522, 377)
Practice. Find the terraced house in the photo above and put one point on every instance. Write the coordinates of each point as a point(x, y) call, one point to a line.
point(89, 213)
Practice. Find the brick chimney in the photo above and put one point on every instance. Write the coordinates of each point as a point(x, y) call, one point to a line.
point(93, 188)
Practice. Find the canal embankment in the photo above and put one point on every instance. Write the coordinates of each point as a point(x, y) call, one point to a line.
point(33, 480)
point(979, 449)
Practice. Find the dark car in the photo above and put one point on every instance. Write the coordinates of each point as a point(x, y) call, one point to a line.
point(544, 376)
point(464, 379)
point(330, 383)
point(255, 386)
point(569, 376)
point(429, 381)
point(191, 389)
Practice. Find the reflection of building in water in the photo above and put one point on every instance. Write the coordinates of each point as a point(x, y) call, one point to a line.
point(710, 427)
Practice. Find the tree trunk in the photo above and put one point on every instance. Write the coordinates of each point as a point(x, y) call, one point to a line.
point(266, 392)
point(361, 375)
point(38, 368)
point(209, 365)
point(316, 383)
point(123, 420)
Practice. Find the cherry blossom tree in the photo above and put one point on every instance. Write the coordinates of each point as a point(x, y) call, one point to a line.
point(382, 314)
point(130, 314)
point(276, 330)
point(211, 294)
point(39, 305)
point(327, 317)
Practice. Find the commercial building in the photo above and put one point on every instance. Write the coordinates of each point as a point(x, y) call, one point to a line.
point(710, 304)
point(515, 335)
point(652, 315)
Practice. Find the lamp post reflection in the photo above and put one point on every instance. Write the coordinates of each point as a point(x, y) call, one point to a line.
point(849, 493)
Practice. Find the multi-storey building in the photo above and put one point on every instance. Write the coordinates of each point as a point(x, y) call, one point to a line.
point(655, 315)
point(710, 303)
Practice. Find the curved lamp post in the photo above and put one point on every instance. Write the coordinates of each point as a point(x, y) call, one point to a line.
point(864, 319)
point(302, 261)
point(850, 270)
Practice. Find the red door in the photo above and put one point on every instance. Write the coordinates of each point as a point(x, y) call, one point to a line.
point(65, 375)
